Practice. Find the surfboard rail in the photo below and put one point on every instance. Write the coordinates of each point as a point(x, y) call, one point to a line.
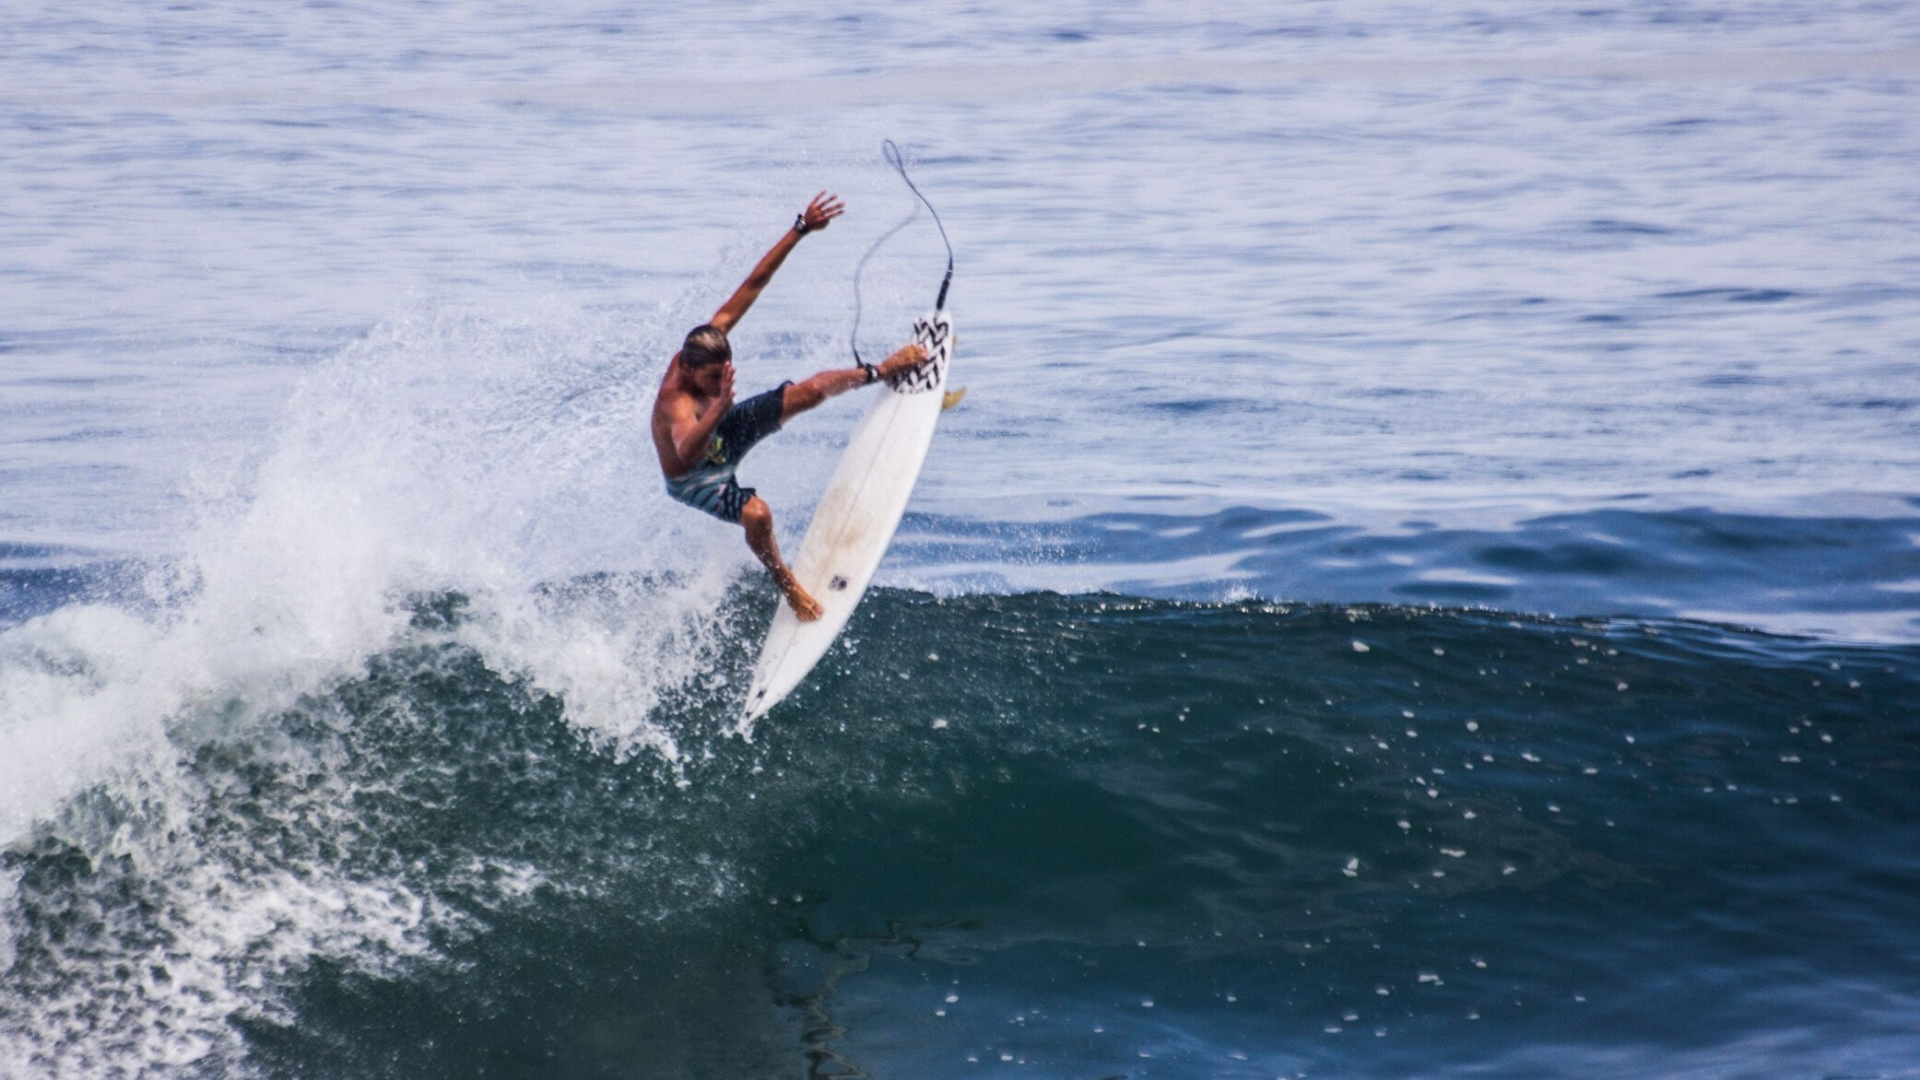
point(856, 518)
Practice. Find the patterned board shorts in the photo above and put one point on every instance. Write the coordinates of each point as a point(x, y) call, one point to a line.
point(711, 486)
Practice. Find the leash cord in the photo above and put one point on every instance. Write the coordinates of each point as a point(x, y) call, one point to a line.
point(853, 338)
point(891, 151)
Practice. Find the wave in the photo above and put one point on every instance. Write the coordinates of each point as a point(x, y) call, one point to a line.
point(998, 824)
point(1845, 576)
point(421, 758)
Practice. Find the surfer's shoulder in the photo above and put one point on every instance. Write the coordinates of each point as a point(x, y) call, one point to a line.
point(671, 389)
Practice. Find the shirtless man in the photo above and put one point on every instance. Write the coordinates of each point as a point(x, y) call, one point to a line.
point(700, 433)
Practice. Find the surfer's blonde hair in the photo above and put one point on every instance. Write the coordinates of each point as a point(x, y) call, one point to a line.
point(706, 344)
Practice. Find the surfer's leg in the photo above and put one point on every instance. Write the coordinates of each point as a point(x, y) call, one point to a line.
point(750, 421)
point(808, 393)
point(801, 396)
point(757, 518)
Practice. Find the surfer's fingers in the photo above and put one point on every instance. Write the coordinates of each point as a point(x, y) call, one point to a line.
point(823, 209)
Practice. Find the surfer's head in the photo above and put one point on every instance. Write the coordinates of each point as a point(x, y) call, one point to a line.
point(706, 346)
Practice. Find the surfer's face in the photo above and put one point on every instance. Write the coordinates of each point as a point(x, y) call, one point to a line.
point(707, 377)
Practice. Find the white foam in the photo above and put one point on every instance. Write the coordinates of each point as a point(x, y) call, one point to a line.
point(500, 457)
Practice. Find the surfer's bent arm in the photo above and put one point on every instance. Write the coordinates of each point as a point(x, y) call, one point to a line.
point(692, 431)
point(822, 210)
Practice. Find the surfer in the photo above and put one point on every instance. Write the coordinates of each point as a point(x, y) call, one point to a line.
point(701, 433)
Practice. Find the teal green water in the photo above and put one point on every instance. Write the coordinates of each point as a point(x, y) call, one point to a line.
point(1058, 836)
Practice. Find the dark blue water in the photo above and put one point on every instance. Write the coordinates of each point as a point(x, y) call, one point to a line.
point(1857, 576)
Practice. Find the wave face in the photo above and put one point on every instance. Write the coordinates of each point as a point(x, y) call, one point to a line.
point(1000, 835)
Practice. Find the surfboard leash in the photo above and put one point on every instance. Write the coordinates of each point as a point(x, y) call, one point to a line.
point(891, 151)
point(892, 154)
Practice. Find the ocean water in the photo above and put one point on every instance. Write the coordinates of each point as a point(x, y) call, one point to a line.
point(1425, 581)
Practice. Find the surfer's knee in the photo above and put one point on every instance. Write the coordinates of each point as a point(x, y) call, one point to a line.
point(756, 516)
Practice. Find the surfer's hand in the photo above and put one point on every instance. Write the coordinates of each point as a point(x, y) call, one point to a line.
point(823, 209)
point(906, 359)
point(724, 400)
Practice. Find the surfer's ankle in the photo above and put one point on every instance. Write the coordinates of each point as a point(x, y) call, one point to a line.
point(804, 606)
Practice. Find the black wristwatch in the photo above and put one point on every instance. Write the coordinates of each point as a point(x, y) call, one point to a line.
point(800, 223)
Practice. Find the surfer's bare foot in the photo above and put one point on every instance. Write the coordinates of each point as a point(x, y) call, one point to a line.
point(906, 358)
point(758, 521)
point(805, 607)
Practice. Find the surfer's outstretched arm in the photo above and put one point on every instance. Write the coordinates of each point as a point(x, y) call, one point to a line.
point(818, 214)
point(801, 396)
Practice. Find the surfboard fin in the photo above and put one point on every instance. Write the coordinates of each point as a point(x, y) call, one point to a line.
point(951, 398)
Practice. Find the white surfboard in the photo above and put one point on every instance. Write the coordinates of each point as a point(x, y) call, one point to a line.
point(856, 518)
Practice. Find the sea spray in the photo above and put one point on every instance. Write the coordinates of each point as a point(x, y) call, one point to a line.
point(179, 761)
